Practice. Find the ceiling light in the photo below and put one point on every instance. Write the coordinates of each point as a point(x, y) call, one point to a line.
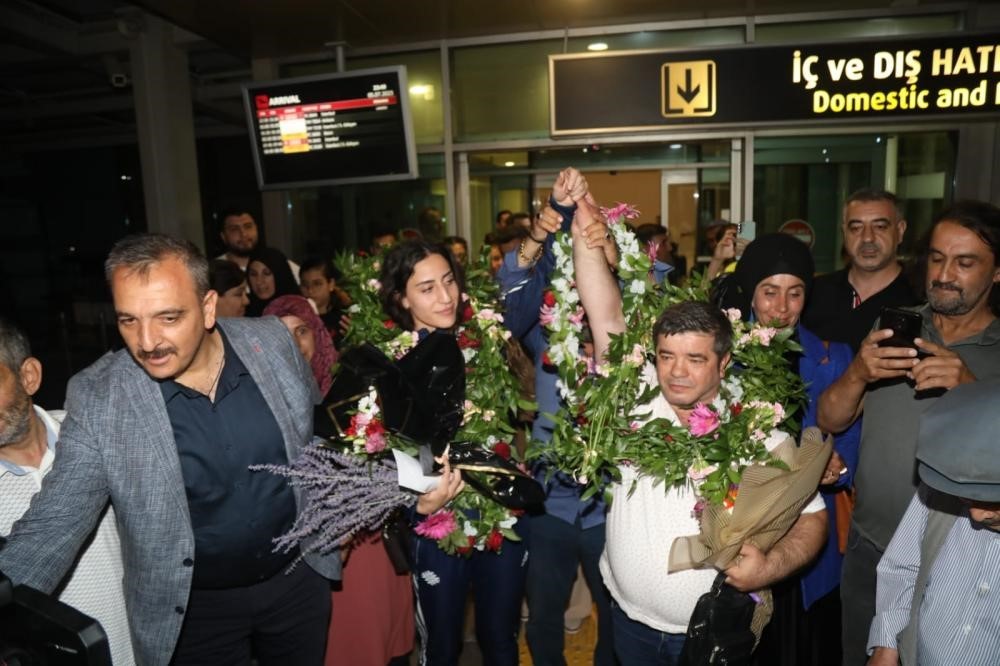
point(676, 146)
point(597, 46)
point(424, 90)
point(508, 163)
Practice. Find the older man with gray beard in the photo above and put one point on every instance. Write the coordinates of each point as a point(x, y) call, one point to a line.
point(28, 437)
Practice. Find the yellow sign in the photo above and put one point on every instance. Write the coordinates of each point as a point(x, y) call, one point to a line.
point(688, 88)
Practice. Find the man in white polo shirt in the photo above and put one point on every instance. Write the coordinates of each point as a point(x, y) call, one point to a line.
point(693, 339)
point(28, 437)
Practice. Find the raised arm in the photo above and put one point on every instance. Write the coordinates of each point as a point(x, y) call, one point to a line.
point(598, 288)
point(525, 272)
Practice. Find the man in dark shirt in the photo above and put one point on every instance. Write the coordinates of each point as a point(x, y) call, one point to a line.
point(166, 430)
point(844, 305)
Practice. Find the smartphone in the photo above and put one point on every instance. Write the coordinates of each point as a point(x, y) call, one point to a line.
point(905, 326)
point(747, 230)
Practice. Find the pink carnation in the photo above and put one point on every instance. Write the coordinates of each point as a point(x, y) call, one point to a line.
point(703, 420)
point(438, 525)
point(375, 443)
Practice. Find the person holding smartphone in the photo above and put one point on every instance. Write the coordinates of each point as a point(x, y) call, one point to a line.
point(893, 385)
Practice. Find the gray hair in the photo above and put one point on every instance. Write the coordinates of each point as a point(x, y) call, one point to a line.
point(14, 346)
point(140, 252)
point(873, 195)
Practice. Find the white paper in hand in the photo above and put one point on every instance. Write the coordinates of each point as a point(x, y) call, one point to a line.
point(411, 474)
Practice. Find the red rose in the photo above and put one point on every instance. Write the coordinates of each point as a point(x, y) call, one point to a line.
point(465, 550)
point(546, 360)
point(735, 409)
point(502, 449)
point(375, 427)
point(494, 541)
point(549, 299)
point(467, 312)
point(466, 341)
point(517, 512)
point(388, 323)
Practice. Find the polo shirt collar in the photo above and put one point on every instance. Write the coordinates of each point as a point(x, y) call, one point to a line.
point(51, 436)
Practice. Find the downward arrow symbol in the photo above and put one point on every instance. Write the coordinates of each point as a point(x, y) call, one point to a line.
point(686, 93)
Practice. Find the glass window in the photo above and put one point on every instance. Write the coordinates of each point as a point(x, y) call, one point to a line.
point(662, 39)
point(776, 33)
point(502, 91)
point(663, 179)
point(808, 179)
point(330, 219)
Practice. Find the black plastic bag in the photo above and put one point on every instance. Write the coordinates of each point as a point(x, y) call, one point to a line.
point(719, 630)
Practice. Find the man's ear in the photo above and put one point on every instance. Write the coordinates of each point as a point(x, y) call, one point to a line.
point(31, 375)
point(208, 307)
point(724, 363)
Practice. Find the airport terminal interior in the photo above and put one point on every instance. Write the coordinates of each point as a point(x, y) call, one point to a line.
point(153, 115)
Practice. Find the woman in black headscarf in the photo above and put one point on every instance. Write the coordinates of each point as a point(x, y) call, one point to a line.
point(269, 276)
point(770, 285)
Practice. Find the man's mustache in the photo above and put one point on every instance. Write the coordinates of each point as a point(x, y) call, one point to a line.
point(948, 286)
point(157, 353)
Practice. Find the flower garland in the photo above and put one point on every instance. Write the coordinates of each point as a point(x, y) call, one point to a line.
point(470, 522)
point(605, 418)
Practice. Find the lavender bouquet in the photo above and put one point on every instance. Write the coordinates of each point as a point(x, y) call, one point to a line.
point(344, 495)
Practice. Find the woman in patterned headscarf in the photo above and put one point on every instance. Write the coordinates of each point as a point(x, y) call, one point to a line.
point(310, 335)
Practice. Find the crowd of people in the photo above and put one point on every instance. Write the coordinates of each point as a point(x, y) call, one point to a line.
point(137, 504)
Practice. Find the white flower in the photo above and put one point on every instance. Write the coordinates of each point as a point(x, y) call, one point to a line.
point(373, 285)
point(733, 314)
point(637, 287)
point(468, 353)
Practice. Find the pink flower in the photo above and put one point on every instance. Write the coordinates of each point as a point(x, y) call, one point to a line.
point(546, 315)
point(621, 210)
point(733, 314)
point(438, 525)
point(577, 317)
point(764, 335)
point(375, 440)
point(702, 420)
